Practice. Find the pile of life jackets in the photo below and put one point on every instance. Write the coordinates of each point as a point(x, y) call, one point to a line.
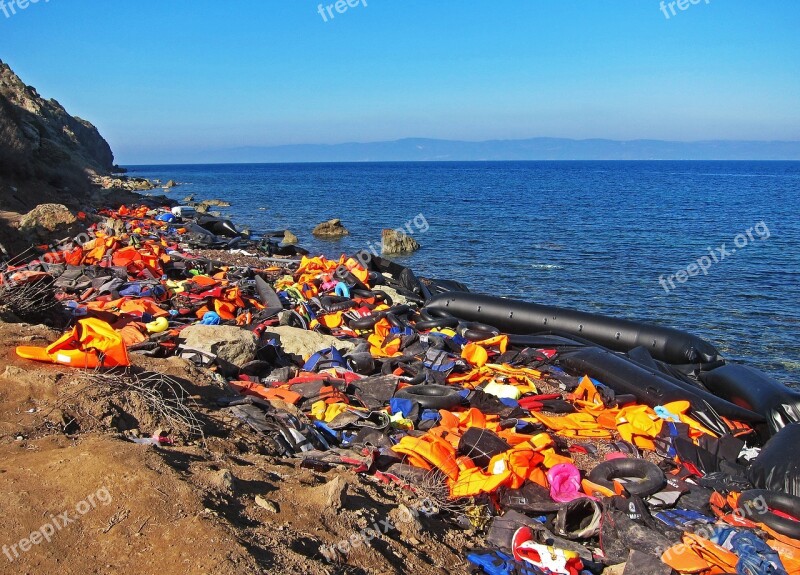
point(420, 400)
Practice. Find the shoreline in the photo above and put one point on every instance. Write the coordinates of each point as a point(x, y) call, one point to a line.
point(305, 324)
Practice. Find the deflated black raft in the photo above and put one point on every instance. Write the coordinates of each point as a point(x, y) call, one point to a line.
point(667, 344)
point(655, 364)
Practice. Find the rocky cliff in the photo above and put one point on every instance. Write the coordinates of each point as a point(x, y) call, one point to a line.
point(45, 153)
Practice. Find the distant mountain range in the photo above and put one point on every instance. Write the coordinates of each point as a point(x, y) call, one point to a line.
point(432, 150)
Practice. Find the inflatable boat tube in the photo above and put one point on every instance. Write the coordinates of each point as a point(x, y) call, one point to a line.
point(651, 479)
point(667, 344)
point(777, 467)
point(651, 387)
point(755, 391)
point(759, 499)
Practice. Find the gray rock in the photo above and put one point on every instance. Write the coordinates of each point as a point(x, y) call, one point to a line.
point(306, 343)
point(266, 504)
point(406, 520)
point(331, 229)
point(170, 184)
point(46, 218)
point(224, 480)
point(289, 239)
point(332, 496)
point(188, 198)
point(397, 242)
point(229, 343)
point(218, 203)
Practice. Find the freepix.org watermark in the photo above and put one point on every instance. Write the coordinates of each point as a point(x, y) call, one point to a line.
point(715, 255)
point(57, 523)
point(10, 7)
point(329, 11)
point(668, 8)
point(378, 528)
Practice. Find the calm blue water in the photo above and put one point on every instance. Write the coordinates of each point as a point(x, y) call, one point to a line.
point(589, 235)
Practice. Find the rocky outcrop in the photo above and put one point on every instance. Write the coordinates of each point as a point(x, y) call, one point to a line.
point(45, 219)
point(396, 242)
point(331, 229)
point(123, 183)
point(44, 152)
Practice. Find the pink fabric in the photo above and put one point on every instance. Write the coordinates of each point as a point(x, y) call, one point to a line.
point(565, 482)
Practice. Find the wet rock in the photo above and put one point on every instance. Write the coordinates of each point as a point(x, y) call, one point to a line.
point(306, 343)
point(331, 229)
point(188, 198)
point(289, 239)
point(397, 242)
point(229, 343)
point(46, 218)
point(170, 184)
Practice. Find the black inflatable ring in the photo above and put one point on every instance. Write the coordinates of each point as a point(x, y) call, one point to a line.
point(366, 322)
point(431, 396)
point(435, 313)
point(401, 309)
point(772, 500)
point(474, 331)
point(439, 322)
point(651, 477)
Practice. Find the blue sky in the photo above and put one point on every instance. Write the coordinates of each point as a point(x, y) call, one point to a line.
point(162, 79)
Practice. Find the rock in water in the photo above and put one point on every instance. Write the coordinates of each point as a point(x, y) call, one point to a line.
point(289, 239)
point(331, 229)
point(397, 242)
point(170, 184)
point(228, 342)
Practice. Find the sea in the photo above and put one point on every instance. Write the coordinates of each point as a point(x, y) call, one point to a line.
point(712, 248)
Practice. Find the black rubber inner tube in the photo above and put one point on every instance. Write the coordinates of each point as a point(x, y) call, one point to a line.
point(436, 323)
point(759, 504)
point(399, 310)
point(366, 322)
point(651, 477)
point(431, 396)
point(474, 331)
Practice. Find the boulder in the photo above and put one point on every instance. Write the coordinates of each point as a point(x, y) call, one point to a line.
point(230, 344)
point(331, 229)
point(46, 218)
point(218, 203)
point(289, 239)
point(304, 343)
point(170, 184)
point(397, 242)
